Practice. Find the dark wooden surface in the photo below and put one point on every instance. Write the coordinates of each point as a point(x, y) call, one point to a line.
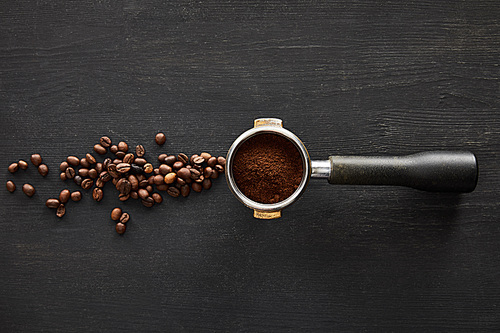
point(348, 77)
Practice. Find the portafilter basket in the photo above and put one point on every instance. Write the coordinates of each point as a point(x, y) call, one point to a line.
point(435, 171)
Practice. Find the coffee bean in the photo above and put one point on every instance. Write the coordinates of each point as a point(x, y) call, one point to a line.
point(116, 213)
point(70, 172)
point(13, 167)
point(43, 170)
point(206, 156)
point(151, 180)
point(82, 172)
point(64, 196)
point(11, 187)
point(207, 172)
point(76, 196)
point(215, 174)
point(120, 228)
point(90, 158)
point(156, 171)
point(188, 181)
point(185, 190)
point(105, 176)
point(143, 183)
point(158, 179)
point(73, 160)
point(162, 187)
point(160, 138)
point(219, 168)
point(184, 173)
point(117, 161)
point(157, 197)
point(84, 163)
point(87, 183)
point(198, 160)
point(206, 184)
point(183, 158)
point(164, 169)
point(148, 168)
point(123, 146)
point(199, 179)
point(123, 197)
point(170, 178)
point(93, 173)
point(178, 185)
point(161, 158)
point(148, 202)
point(124, 218)
point(134, 195)
point(63, 166)
point(129, 158)
point(112, 171)
point(113, 149)
point(22, 165)
point(177, 165)
point(173, 191)
point(212, 161)
point(140, 151)
point(143, 193)
point(123, 186)
point(36, 159)
point(120, 154)
point(134, 183)
point(63, 176)
point(61, 210)
point(134, 168)
point(196, 187)
point(106, 163)
point(170, 159)
point(191, 159)
point(140, 161)
point(29, 190)
point(180, 181)
point(97, 194)
point(141, 177)
point(52, 203)
point(221, 160)
point(100, 149)
point(195, 174)
point(105, 141)
point(98, 168)
point(123, 167)
point(149, 188)
point(78, 180)
point(99, 183)
point(114, 181)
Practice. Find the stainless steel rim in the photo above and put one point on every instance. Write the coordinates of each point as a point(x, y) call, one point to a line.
point(306, 168)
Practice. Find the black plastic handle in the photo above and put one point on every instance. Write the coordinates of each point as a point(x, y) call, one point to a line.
point(437, 171)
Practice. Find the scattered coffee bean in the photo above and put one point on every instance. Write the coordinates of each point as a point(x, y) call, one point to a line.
point(97, 194)
point(161, 158)
point(29, 190)
point(173, 191)
point(124, 218)
point(198, 160)
point(120, 154)
point(140, 161)
point(61, 210)
point(164, 169)
point(116, 213)
point(134, 195)
point(219, 168)
point(206, 156)
point(87, 183)
point(78, 180)
point(207, 172)
point(120, 228)
point(63, 176)
point(123, 146)
point(43, 169)
point(170, 178)
point(82, 172)
point(73, 160)
point(123, 186)
point(148, 202)
point(199, 179)
point(52, 203)
point(22, 165)
point(76, 196)
point(123, 197)
point(180, 181)
point(196, 187)
point(149, 188)
point(215, 174)
point(162, 187)
point(11, 187)
point(112, 171)
point(13, 167)
point(206, 184)
point(183, 158)
point(221, 160)
point(148, 168)
point(64, 196)
point(113, 149)
point(191, 160)
point(36, 159)
point(185, 190)
point(84, 163)
point(123, 167)
point(100, 149)
point(90, 158)
point(63, 166)
point(143, 193)
point(184, 173)
point(195, 174)
point(140, 151)
point(177, 165)
point(170, 160)
point(158, 180)
point(129, 158)
point(105, 141)
point(157, 197)
point(160, 138)
point(212, 161)
point(93, 173)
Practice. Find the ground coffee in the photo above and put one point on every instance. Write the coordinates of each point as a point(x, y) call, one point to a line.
point(267, 168)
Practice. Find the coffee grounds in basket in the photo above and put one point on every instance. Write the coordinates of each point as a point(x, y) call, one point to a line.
point(267, 168)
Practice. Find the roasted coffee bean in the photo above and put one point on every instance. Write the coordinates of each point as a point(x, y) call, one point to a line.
point(100, 149)
point(156, 171)
point(185, 190)
point(99, 183)
point(124, 218)
point(140, 161)
point(195, 174)
point(161, 158)
point(105, 176)
point(87, 183)
point(180, 181)
point(29, 190)
point(43, 169)
point(183, 158)
point(90, 158)
point(157, 197)
point(164, 169)
point(221, 160)
point(52, 203)
point(188, 181)
point(123, 197)
point(177, 165)
point(196, 187)
point(63, 166)
point(206, 156)
point(162, 187)
point(173, 191)
point(134, 195)
point(178, 186)
point(78, 180)
point(93, 173)
point(148, 168)
point(207, 184)
point(183, 173)
point(114, 181)
point(82, 172)
point(143, 193)
point(97, 194)
point(188, 166)
point(113, 149)
point(105, 141)
point(148, 202)
point(198, 160)
point(120, 154)
point(134, 168)
point(112, 171)
point(61, 210)
point(140, 151)
point(63, 176)
point(23, 165)
point(98, 168)
point(170, 178)
point(36, 159)
point(13, 167)
point(11, 187)
point(149, 188)
point(76, 196)
point(212, 161)
point(123, 146)
point(160, 138)
point(151, 180)
point(141, 177)
point(219, 168)
point(117, 161)
point(129, 158)
point(123, 167)
point(158, 180)
point(84, 163)
point(191, 159)
point(207, 172)
point(120, 228)
point(116, 213)
point(123, 186)
point(199, 179)
point(143, 183)
point(134, 183)
point(64, 196)
point(170, 160)
point(70, 173)
point(215, 174)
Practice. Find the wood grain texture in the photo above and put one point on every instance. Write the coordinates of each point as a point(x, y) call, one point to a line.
point(348, 77)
